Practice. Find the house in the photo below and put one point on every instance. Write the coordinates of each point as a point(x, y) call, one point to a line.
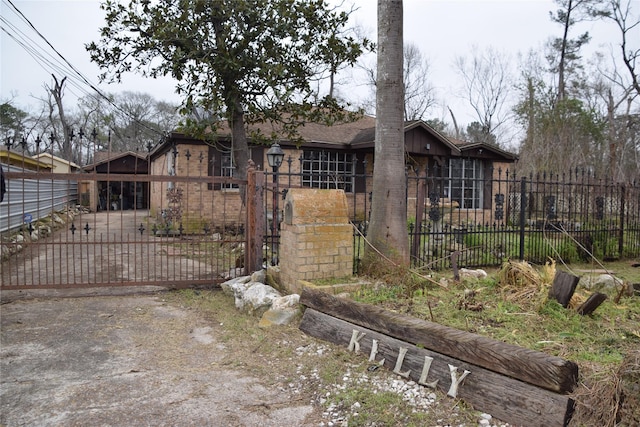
point(338, 156)
point(111, 192)
point(58, 165)
point(28, 200)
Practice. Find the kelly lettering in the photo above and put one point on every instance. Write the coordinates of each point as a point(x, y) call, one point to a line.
point(356, 336)
point(425, 373)
point(455, 381)
point(374, 351)
point(399, 361)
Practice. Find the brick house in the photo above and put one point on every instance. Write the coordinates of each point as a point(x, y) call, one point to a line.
point(338, 156)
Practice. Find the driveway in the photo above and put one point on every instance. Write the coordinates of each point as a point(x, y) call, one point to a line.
point(128, 360)
point(114, 248)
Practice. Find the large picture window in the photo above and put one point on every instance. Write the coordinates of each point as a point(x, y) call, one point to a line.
point(465, 182)
point(328, 170)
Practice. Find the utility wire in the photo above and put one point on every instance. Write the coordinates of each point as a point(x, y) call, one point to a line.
point(39, 56)
point(75, 72)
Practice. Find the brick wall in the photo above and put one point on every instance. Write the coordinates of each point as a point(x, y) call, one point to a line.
point(316, 237)
point(201, 203)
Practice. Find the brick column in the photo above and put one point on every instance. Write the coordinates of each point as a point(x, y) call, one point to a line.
point(316, 238)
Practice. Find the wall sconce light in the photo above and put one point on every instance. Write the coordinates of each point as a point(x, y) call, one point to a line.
point(427, 147)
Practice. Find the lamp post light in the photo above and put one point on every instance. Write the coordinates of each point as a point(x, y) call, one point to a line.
point(275, 156)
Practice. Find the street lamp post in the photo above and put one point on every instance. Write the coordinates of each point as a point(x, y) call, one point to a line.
point(275, 155)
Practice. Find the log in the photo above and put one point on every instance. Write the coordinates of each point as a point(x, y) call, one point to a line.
point(563, 287)
point(533, 367)
point(590, 305)
point(454, 265)
point(505, 398)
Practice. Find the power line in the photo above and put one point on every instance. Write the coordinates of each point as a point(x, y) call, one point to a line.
point(38, 55)
point(75, 73)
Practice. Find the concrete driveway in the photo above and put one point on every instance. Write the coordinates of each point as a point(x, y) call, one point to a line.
point(125, 361)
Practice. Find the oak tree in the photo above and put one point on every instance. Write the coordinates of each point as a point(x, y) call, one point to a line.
point(246, 61)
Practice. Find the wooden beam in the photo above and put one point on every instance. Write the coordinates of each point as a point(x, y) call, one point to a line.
point(563, 287)
point(533, 367)
point(590, 305)
point(505, 398)
point(255, 221)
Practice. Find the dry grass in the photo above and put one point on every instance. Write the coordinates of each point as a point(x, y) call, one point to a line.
point(521, 283)
point(512, 305)
point(610, 398)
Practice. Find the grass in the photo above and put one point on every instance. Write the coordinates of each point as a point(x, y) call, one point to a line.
point(524, 316)
point(599, 343)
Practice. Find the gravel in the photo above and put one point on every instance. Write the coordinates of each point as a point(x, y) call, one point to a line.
point(420, 398)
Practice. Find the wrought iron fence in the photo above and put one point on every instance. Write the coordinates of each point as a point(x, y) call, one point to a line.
point(486, 219)
point(134, 229)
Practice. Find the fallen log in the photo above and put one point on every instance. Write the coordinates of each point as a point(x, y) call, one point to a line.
point(506, 398)
point(533, 367)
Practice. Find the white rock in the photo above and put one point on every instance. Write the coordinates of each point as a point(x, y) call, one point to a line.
point(287, 301)
point(259, 297)
point(601, 283)
point(473, 274)
point(259, 276)
point(229, 286)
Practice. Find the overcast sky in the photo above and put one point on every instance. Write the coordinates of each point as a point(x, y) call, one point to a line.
point(442, 29)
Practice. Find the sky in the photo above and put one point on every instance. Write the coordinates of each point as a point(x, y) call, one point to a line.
point(442, 29)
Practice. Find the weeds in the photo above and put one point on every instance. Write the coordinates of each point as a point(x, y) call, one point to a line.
point(513, 307)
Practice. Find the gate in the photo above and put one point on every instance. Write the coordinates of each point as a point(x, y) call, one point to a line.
point(70, 230)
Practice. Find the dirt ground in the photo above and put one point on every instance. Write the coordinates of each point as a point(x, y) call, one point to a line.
point(129, 360)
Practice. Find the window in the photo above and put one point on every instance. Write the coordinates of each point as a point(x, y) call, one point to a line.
point(227, 169)
point(465, 182)
point(328, 170)
point(171, 168)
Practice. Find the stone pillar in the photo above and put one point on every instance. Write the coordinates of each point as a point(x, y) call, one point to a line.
point(316, 239)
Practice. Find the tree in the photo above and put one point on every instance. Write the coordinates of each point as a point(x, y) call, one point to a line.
point(419, 93)
point(619, 12)
point(611, 91)
point(57, 92)
point(565, 54)
point(478, 133)
point(388, 225)
point(249, 61)
point(140, 121)
point(486, 78)
point(12, 120)
point(560, 134)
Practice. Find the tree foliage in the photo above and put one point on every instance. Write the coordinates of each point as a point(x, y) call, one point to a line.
point(577, 118)
point(419, 92)
point(249, 61)
point(12, 120)
point(564, 55)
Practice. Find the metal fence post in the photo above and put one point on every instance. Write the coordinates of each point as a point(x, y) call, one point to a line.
point(523, 205)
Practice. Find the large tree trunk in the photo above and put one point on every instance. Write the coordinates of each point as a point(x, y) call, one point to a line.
point(388, 226)
point(239, 141)
point(57, 93)
point(563, 52)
